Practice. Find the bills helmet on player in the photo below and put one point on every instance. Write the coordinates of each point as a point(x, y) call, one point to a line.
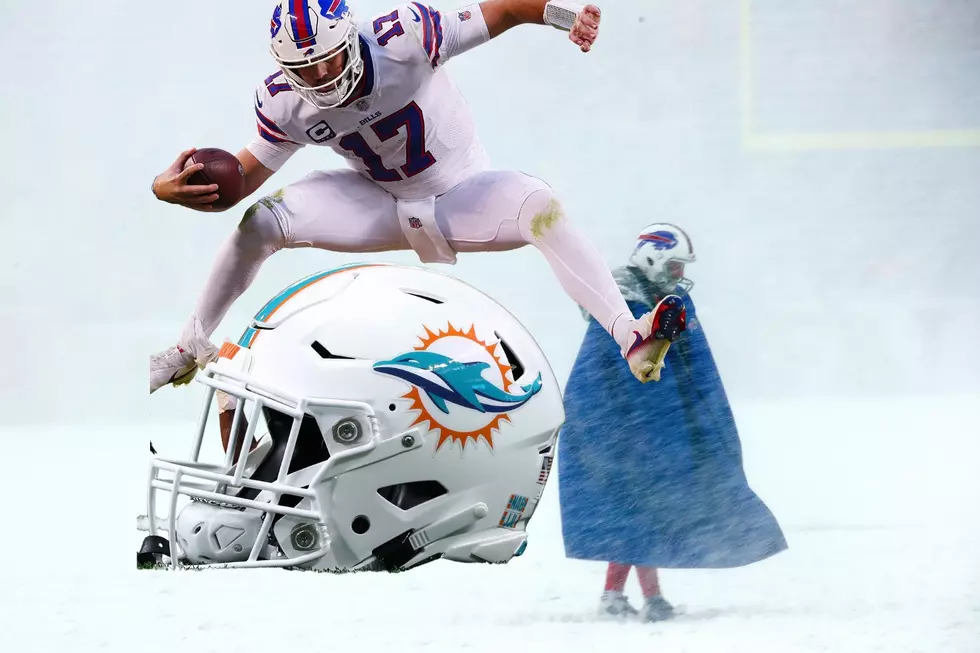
point(307, 33)
point(661, 251)
point(395, 414)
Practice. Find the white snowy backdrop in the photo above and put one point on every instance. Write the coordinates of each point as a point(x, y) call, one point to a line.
point(823, 155)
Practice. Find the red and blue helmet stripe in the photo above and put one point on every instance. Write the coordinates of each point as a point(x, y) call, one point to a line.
point(300, 23)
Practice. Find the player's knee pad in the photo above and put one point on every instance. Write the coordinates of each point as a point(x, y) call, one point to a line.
point(264, 224)
point(541, 215)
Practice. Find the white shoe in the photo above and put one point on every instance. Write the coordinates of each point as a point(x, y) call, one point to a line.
point(614, 604)
point(651, 337)
point(178, 364)
point(656, 608)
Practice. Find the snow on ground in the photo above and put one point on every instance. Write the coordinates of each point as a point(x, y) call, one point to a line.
point(879, 501)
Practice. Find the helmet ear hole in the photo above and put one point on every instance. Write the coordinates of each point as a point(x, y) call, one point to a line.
point(649, 261)
point(517, 370)
point(360, 525)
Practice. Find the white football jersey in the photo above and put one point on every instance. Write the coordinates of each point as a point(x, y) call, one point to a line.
point(410, 131)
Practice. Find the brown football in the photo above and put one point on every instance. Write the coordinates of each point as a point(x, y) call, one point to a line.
point(222, 168)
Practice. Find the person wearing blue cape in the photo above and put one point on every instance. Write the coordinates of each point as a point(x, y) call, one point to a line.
point(651, 475)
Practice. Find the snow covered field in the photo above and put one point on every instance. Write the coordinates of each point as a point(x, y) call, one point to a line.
point(878, 500)
point(822, 155)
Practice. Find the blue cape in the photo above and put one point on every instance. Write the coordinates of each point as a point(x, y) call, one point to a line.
point(651, 474)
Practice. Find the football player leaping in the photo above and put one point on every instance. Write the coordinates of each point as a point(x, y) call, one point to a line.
point(378, 94)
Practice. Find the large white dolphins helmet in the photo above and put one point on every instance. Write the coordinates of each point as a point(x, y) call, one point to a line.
point(661, 251)
point(405, 416)
point(306, 32)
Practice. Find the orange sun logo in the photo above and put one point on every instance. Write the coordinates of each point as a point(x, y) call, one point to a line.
point(460, 387)
point(500, 375)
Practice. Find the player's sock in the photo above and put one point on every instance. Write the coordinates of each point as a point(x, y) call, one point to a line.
point(655, 606)
point(621, 329)
point(257, 237)
point(649, 581)
point(616, 575)
point(579, 266)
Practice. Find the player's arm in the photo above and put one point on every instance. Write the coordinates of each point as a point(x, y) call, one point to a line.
point(256, 174)
point(271, 147)
point(269, 150)
point(226, 419)
point(443, 36)
point(582, 22)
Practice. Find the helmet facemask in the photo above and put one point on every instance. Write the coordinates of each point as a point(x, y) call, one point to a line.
point(668, 275)
point(335, 89)
point(274, 480)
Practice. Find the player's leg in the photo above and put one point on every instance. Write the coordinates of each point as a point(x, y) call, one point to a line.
point(656, 607)
point(499, 210)
point(256, 238)
point(336, 210)
point(614, 603)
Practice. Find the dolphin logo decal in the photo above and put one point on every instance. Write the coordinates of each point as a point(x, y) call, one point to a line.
point(446, 380)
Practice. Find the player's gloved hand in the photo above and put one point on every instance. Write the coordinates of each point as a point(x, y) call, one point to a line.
point(171, 185)
point(586, 28)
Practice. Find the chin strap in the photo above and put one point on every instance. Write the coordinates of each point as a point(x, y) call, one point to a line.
point(398, 551)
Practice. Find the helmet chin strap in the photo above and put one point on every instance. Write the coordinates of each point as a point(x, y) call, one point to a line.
point(332, 98)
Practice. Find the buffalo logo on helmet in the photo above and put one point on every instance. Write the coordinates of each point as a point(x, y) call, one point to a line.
point(276, 23)
point(459, 385)
point(333, 9)
point(660, 240)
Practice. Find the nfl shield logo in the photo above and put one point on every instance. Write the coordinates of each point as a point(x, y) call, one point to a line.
point(362, 105)
point(465, 15)
point(414, 223)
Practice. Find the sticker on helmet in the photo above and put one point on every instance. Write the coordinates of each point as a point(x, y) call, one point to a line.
point(276, 23)
point(659, 239)
point(514, 511)
point(459, 385)
point(333, 9)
